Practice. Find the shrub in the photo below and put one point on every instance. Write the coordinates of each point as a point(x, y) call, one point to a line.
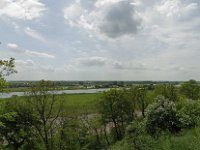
point(164, 116)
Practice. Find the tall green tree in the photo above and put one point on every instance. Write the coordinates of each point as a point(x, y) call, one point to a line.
point(138, 98)
point(13, 125)
point(48, 109)
point(116, 109)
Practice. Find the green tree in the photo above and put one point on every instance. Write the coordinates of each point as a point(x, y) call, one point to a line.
point(10, 131)
point(116, 109)
point(138, 98)
point(7, 67)
point(17, 120)
point(190, 89)
point(48, 109)
point(75, 134)
point(169, 91)
point(141, 94)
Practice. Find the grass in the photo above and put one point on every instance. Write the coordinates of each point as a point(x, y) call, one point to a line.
point(186, 140)
point(80, 103)
point(72, 103)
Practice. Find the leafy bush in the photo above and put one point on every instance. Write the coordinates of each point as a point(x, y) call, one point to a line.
point(164, 116)
point(137, 138)
point(192, 109)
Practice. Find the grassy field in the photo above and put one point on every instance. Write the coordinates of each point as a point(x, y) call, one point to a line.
point(72, 103)
point(80, 103)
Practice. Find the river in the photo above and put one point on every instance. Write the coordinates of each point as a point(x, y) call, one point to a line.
point(10, 94)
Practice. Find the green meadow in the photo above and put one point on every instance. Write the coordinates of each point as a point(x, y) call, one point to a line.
point(72, 103)
point(80, 103)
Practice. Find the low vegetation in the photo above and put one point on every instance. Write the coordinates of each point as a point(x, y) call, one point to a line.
point(143, 117)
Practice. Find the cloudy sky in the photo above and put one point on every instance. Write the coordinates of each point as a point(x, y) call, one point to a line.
point(101, 39)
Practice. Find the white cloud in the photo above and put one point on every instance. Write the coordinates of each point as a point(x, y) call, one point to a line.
point(176, 8)
point(31, 70)
point(15, 48)
point(99, 62)
point(129, 39)
point(113, 18)
point(73, 12)
point(76, 16)
point(12, 46)
point(30, 65)
point(169, 7)
point(92, 61)
point(129, 66)
point(34, 34)
point(22, 9)
point(27, 63)
point(38, 54)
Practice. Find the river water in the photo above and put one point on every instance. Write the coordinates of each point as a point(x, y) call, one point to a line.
point(7, 95)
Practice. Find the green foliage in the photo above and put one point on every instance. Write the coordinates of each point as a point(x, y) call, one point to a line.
point(116, 108)
point(190, 89)
point(80, 103)
point(138, 98)
point(44, 120)
point(15, 129)
point(18, 130)
point(73, 136)
point(186, 140)
point(6, 68)
point(191, 109)
point(80, 133)
point(137, 138)
point(72, 103)
point(169, 91)
point(164, 116)
point(3, 85)
point(45, 105)
point(121, 145)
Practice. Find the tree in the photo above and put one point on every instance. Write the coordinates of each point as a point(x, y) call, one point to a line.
point(7, 67)
point(78, 133)
point(190, 89)
point(48, 108)
point(116, 109)
point(10, 131)
point(169, 91)
point(141, 93)
point(138, 97)
point(10, 122)
point(17, 120)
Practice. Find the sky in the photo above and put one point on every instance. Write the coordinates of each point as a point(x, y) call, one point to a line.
point(101, 39)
